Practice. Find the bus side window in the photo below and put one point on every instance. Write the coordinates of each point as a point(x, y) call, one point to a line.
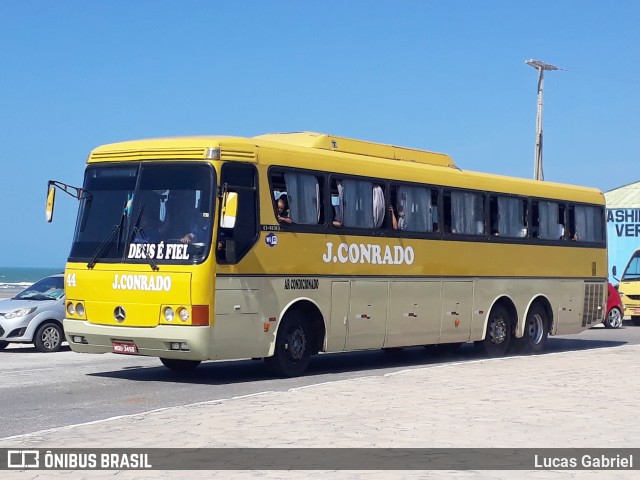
point(337, 202)
point(586, 223)
point(413, 210)
point(548, 220)
point(508, 216)
point(236, 237)
point(467, 213)
point(304, 192)
point(362, 203)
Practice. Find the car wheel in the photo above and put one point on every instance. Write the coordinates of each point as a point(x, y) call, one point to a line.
point(48, 337)
point(3, 344)
point(614, 318)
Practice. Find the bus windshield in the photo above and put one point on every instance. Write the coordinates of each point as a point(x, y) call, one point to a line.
point(145, 213)
point(632, 272)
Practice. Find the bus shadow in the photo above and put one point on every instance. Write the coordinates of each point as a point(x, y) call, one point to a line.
point(375, 362)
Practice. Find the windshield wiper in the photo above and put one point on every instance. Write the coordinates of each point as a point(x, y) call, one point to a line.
point(138, 232)
point(114, 235)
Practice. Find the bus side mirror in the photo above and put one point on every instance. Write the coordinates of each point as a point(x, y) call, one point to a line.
point(613, 271)
point(229, 209)
point(51, 197)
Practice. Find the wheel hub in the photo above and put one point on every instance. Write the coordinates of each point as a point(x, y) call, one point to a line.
point(50, 338)
point(535, 329)
point(296, 344)
point(498, 331)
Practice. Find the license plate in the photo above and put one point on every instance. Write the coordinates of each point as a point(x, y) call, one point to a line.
point(125, 347)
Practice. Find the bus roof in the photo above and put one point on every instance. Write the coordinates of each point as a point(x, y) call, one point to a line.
point(390, 161)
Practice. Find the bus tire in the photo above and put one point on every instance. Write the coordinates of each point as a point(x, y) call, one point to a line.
point(536, 330)
point(635, 319)
point(293, 346)
point(48, 337)
point(177, 365)
point(498, 334)
point(3, 344)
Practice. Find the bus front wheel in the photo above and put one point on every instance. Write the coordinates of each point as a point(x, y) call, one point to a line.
point(293, 346)
point(176, 365)
point(498, 335)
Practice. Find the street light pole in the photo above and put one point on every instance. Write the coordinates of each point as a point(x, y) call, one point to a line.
point(538, 173)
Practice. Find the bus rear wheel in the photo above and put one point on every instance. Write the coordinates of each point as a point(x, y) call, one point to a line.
point(536, 330)
point(293, 346)
point(498, 334)
point(177, 365)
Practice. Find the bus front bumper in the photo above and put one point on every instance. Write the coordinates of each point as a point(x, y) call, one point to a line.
point(193, 341)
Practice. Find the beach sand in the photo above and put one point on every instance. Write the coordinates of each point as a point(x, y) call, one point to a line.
point(9, 292)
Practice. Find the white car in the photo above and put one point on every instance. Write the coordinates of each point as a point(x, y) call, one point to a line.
point(35, 315)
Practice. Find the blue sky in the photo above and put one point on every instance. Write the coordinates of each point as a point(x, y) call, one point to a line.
point(442, 75)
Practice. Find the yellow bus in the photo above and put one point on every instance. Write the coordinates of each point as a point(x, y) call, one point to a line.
point(629, 287)
point(282, 246)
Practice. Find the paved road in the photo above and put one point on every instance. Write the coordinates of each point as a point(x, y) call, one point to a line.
point(580, 396)
point(77, 388)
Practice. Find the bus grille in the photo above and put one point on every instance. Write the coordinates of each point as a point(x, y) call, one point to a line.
point(593, 303)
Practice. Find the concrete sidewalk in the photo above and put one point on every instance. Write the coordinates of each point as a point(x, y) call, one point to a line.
point(586, 398)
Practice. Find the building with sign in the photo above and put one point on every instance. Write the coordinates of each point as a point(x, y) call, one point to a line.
point(623, 225)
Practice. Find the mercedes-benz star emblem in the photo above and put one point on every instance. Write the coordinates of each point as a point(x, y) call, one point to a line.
point(119, 314)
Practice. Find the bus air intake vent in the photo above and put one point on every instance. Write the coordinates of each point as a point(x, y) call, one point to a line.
point(593, 310)
point(150, 154)
point(236, 154)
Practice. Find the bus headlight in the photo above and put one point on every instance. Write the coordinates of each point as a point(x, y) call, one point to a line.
point(80, 309)
point(71, 310)
point(168, 314)
point(183, 313)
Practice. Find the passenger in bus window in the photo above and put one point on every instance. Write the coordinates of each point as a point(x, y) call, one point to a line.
point(282, 206)
point(337, 216)
point(397, 222)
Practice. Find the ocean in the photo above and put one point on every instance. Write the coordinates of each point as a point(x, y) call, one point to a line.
point(17, 278)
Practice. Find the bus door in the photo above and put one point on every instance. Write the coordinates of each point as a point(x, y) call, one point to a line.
point(367, 319)
point(414, 313)
point(337, 334)
point(457, 305)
